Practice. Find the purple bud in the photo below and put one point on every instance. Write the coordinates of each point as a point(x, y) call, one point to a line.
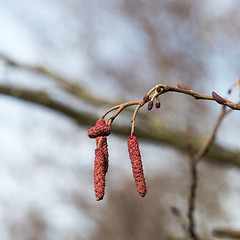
point(150, 105)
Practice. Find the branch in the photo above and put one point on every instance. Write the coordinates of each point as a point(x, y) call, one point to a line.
point(69, 85)
point(42, 98)
point(192, 197)
point(205, 148)
point(169, 136)
point(226, 233)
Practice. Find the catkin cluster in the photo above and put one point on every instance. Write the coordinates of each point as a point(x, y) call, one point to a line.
point(100, 131)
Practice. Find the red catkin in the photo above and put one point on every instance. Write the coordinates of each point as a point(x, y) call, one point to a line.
point(100, 122)
point(99, 174)
point(137, 168)
point(104, 147)
point(99, 130)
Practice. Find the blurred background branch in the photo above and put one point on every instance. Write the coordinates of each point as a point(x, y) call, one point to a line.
point(173, 137)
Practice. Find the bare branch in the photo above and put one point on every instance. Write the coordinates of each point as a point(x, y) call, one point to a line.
point(205, 148)
point(69, 85)
point(226, 233)
point(192, 197)
point(42, 98)
point(166, 135)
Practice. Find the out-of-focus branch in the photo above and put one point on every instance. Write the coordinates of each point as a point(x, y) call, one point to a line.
point(194, 159)
point(42, 98)
point(192, 197)
point(166, 135)
point(68, 85)
point(205, 148)
point(226, 233)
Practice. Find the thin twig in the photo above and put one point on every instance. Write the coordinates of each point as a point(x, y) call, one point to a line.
point(133, 118)
point(69, 85)
point(192, 197)
point(226, 233)
point(176, 212)
point(119, 109)
point(205, 148)
point(167, 88)
point(193, 164)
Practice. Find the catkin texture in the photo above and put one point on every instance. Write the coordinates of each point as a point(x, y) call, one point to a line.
point(137, 168)
point(104, 147)
point(99, 174)
point(99, 130)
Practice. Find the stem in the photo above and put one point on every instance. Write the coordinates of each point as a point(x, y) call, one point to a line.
point(134, 117)
point(192, 197)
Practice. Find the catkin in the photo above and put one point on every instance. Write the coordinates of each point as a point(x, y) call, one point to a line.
point(104, 146)
point(99, 174)
point(137, 168)
point(100, 129)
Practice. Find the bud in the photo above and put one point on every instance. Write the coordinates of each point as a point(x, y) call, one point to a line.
point(150, 105)
point(175, 211)
point(145, 99)
point(218, 99)
point(137, 168)
point(158, 89)
point(99, 174)
point(182, 86)
point(158, 104)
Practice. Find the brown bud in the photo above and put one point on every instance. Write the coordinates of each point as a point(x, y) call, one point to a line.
point(158, 104)
point(182, 86)
point(230, 91)
point(145, 99)
point(218, 99)
point(158, 89)
point(175, 211)
point(150, 105)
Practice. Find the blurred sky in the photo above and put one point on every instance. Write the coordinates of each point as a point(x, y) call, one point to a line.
point(44, 154)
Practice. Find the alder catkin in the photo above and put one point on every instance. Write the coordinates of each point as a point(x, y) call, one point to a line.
point(100, 122)
point(137, 168)
point(99, 174)
point(104, 147)
point(99, 130)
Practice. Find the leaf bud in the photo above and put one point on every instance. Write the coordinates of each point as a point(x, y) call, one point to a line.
point(150, 105)
point(184, 87)
point(218, 98)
